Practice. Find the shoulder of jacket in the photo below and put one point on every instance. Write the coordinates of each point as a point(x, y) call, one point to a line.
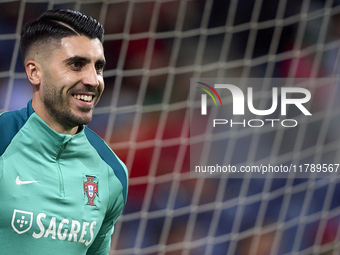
point(107, 155)
point(10, 124)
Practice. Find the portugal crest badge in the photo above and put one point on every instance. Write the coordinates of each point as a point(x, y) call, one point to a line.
point(90, 189)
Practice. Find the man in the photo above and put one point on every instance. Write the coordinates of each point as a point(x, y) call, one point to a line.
point(61, 187)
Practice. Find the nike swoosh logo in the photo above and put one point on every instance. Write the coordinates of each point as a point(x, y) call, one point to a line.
point(18, 182)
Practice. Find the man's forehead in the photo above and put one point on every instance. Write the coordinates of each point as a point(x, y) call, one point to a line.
point(81, 46)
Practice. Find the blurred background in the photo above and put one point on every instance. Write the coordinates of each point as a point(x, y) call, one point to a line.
point(152, 49)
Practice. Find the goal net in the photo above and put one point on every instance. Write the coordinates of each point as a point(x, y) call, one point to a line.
point(157, 52)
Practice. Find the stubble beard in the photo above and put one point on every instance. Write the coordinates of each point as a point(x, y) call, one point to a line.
point(58, 106)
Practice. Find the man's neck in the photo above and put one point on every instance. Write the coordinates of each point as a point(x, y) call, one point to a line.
point(52, 123)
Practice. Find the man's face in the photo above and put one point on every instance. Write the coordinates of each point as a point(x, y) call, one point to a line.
point(72, 80)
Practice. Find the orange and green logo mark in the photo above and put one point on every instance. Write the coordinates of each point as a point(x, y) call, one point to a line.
point(204, 97)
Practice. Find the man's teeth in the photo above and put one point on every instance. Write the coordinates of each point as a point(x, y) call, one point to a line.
point(83, 98)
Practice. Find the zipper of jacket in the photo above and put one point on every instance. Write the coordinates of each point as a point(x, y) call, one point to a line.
point(60, 174)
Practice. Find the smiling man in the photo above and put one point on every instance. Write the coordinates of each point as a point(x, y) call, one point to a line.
point(62, 188)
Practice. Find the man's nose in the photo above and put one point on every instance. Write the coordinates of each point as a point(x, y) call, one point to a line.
point(91, 77)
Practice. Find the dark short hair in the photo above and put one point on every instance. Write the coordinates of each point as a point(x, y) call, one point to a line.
point(57, 24)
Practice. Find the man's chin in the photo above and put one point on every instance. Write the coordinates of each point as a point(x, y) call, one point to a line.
point(82, 119)
point(85, 121)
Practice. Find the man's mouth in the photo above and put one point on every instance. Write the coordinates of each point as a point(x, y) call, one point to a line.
point(85, 98)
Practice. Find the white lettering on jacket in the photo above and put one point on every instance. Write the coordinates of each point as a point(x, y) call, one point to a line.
point(72, 231)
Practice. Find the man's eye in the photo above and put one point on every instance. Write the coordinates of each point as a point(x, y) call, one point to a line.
point(76, 65)
point(99, 68)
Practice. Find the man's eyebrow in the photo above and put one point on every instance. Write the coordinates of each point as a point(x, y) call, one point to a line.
point(83, 59)
point(101, 61)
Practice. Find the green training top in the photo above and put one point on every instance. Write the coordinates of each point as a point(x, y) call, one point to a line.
point(59, 194)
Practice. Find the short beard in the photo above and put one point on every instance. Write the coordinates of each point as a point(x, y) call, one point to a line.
point(59, 108)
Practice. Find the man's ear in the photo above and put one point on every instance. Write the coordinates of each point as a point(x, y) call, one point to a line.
point(33, 72)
